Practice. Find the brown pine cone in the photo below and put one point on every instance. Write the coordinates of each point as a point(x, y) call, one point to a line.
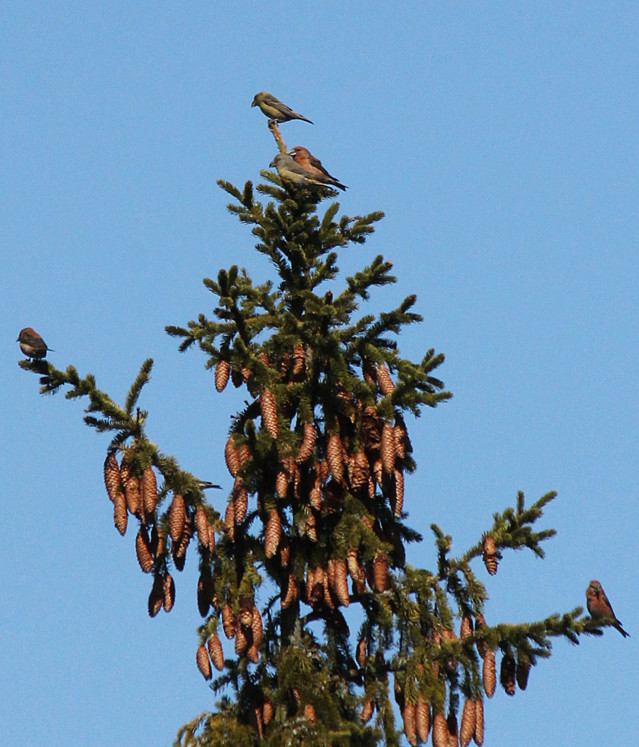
point(252, 654)
point(158, 541)
point(380, 571)
point(310, 527)
point(384, 380)
point(315, 495)
point(489, 673)
point(507, 674)
point(466, 628)
point(307, 446)
point(358, 470)
point(440, 731)
point(256, 627)
point(388, 448)
point(240, 500)
point(378, 471)
point(177, 518)
point(267, 712)
point(231, 457)
point(202, 526)
point(451, 721)
point(403, 445)
point(341, 583)
point(156, 597)
point(399, 493)
point(490, 555)
point(291, 592)
point(168, 589)
point(222, 371)
point(360, 652)
point(203, 663)
point(272, 533)
point(367, 711)
point(408, 716)
point(204, 593)
point(309, 713)
point(371, 427)
point(422, 718)
point(468, 720)
point(228, 621)
point(479, 722)
point(149, 490)
point(111, 476)
point(299, 360)
point(335, 456)
point(120, 518)
point(268, 408)
point(369, 371)
point(281, 484)
point(241, 641)
point(523, 669)
point(229, 521)
point(143, 550)
point(236, 377)
point(133, 495)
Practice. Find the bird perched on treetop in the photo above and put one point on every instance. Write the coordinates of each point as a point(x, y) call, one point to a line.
point(314, 166)
point(31, 344)
point(291, 171)
point(600, 607)
point(274, 109)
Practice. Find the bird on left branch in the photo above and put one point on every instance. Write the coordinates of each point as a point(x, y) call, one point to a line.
point(274, 109)
point(31, 344)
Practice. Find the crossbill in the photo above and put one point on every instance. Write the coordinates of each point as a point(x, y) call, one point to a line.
point(291, 171)
point(313, 166)
point(31, 344)
point(599, 607)
point(274, 109)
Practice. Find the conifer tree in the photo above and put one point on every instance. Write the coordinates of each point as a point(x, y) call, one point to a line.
point(303, 567)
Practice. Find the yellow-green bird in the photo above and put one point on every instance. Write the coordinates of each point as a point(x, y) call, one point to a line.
point(289, 170)
point(274, 109)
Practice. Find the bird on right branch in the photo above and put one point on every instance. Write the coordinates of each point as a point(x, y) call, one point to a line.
point(600, 608)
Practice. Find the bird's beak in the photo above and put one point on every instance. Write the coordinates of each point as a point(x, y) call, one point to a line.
point(272, 163)
point(254, 103)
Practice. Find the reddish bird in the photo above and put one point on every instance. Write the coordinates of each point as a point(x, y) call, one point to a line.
point(314, 166)
point(31, 344)
point(599, 607)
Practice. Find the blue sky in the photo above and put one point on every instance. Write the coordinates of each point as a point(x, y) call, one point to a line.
point(501, 141)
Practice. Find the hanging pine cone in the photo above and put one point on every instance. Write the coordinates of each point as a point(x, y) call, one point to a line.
point(228, 621)
point(490, 556)
point(291, 592)
point(422, 718)
point(120, 518)
point(408, 717)
point(369, 371)
point(211, 537)
point(307, 446)
point(267, 712)
point(399, 493)
point(256, 627)
point(507, 673)
point(111, 476)
point(240, 500)
point(133, 496)
point(479, 722)
point(203, 663)
point(378, 471)
point(229, 521)
point(315, 494)
point(241, 642)
point(214, 646)
point(149, 490)
point(402, 441)
point(467, 729)
point(158, 541)
point(168, 588)
point(268, 409)
point(309, 713)
point(352, 562)
point(299, 360)
point(335, 456)
point(358, 470)
point(156, 597)
point(222, 371)
point(384, 380)
point(380, 571)
point(252, 654)
point(236, 377)
point(281, 484)
point(202, 526)
point(440, 731)
point(360, 652)
point(231, 457)
point(341, 583)
point(523, 669)
point(333, 497)
point(285, 552)
point(310, 527)
point(203, 594)
point(466, 628)
point(143, 550)
point(371, 427)
point(125, 471)
point(367, 711)
point(272, 534)
point(388, 448)
point(451, 721)
point(489, 673)
point(177, 518)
